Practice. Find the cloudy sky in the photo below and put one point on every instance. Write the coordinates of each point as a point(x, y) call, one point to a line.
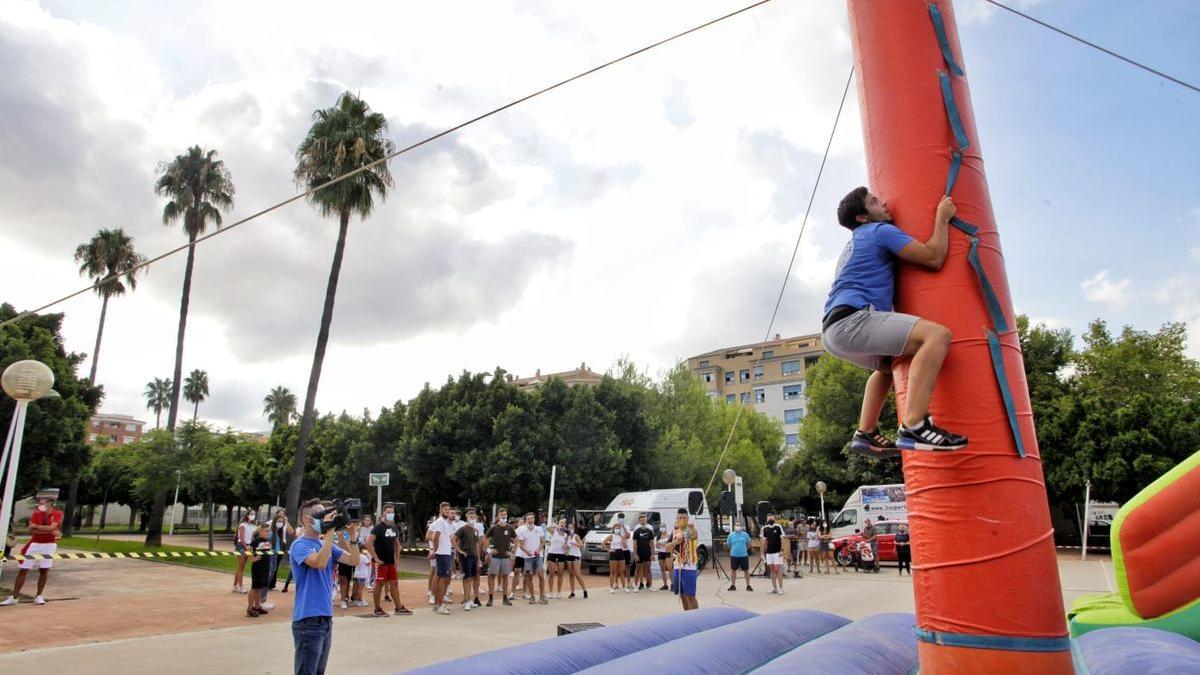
point(648, 210)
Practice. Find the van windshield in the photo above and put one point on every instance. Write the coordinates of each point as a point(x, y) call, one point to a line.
point(609, 518)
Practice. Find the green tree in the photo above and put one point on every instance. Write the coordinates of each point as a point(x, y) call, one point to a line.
point(158, 397)
point(342, 139)
point(107, 258)
point(195, 390)
point(198, 187)
point(279, 406)
point(54, 448)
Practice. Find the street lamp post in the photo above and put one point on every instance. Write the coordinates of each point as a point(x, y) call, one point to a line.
point(25, 381)
point(821, 491)
point(178, 476)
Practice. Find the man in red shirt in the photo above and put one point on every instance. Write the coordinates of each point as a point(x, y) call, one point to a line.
point(45, 527)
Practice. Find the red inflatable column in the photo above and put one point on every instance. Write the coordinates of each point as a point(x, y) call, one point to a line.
point(985, 573)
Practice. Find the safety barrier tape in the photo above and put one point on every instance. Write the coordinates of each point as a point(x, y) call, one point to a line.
point(995, 311)
point(91, 555)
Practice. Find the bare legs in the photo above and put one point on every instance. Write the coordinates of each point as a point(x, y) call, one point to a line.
point(928, 344)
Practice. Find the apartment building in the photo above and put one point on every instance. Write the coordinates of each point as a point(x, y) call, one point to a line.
point(579, 376)
point(766, 376)
point(114, 429)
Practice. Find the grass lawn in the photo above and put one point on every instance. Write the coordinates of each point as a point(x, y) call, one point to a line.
point(223, 563)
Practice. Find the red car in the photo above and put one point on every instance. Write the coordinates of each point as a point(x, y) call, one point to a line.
point(885, 534)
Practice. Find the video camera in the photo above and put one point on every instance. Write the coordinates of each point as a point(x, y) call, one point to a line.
point(346, 510)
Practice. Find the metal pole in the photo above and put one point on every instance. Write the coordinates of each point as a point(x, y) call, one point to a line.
point(14, 458)
point(822, 507)
point(178, 476)
point(1087, 503)
point(550, 505)
point(378, 502)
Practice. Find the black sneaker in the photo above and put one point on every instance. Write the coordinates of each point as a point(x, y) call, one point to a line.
point(732, 587)
point(507, 602)
point(489, 602)
point(749, 588)
point(873, 444)
point(929, 437)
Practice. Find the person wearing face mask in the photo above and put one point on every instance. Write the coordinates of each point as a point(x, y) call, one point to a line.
point(466, 547)
point(572, 558)
point(739, 556)
point(278, 538)
point(480, 554)
point(313, 556)
point(556, 557)
point(772, 536)
point(499, 539)
point(45, 527)
point(616, 543)
point(241, 544)
point(643, 548)
point(383, 546)
point(665, 562)
point(684, 545)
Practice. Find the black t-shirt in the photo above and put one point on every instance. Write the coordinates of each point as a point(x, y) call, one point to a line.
point(644, 538)
point(262, 547)
point(385, 541)
point(774, 536)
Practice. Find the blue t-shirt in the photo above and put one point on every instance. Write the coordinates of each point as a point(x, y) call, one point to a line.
point(314, 588)
point(739, 543)
point(866, 272)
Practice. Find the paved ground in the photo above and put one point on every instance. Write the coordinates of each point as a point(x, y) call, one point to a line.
point(205, 627)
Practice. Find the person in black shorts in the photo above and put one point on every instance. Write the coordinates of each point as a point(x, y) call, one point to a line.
point(643, 544)
point(345, 572)
point(260, 570)
point(773, 537)
point(466, 545)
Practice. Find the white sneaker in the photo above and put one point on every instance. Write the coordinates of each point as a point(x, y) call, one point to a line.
point(610, 590)
point(39, 600)
point(653, 589)
point(242, 590)
point(442, 609)
point(431, 599)
point(268, 606)
point(627, 589)
point(10, 601)
point(637, 590)
point(344, 605)
point(467, 607)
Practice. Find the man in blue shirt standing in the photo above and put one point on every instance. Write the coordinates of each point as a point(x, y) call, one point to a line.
point(859, 325)
point(739, 556)
point(313, 557)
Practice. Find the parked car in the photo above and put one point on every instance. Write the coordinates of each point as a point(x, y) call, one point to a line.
point(885, 534)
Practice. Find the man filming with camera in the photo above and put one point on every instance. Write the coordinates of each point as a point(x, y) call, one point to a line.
point(313, 557)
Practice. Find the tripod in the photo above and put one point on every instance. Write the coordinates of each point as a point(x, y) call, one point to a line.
point(717, 567)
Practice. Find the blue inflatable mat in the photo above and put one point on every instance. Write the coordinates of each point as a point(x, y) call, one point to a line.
point(1142, 651)
point(575, 652)
point(732, 648)
point(883, 644)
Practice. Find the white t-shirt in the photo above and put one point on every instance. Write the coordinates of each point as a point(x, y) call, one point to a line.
point(664, 538)
point(446, 528)
point(457, 524)
point(558, 543)
point(573, 545)
point(478, 528)
point(529, 538)
point(619, 534)
point(245, 533)
point(814, 538)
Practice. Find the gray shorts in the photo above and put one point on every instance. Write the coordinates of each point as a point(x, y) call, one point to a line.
point(500, 566)
point(869, 338)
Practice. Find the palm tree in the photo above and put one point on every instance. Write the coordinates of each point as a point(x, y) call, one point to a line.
point(199, 187)
point(343, 138)
point(195, 390)
point(158, 397)
point(106, 258)
point(279, 406)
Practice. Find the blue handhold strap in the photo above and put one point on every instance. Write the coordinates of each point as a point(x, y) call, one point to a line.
point(989, 293)
point(960, 133)
point(1010, 408)
point(1004, 642)
point(964, 226)
point(955, 165)
point(940, 29)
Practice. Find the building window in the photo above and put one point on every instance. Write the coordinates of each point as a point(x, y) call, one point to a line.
point(95, 424)
point(790, 367)
point(745, 375)
point(729, 398)
point(810, 361)
point(793, 416)
point(792, 440)
point(704, 364)
point(729, 377)
point(768, 353)
point(127, 440)
point(745, 397)
point(758, 372)
point(130, 427)
point(760, 395)
point(792, 392)
point(708, 377)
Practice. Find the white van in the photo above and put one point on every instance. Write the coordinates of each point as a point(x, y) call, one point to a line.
point(660, 507)
point(870, 502)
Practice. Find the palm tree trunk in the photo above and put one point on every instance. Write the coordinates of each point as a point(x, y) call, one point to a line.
point(314, 376)
point(196, 410)
point(68, 524)
point(99, 334)
point(208, 496)
point(154, 529)
point(157, 418)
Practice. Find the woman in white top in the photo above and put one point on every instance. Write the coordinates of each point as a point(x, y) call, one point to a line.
point(617, 555)
point(574, 555)
point(666, 563)
point(241, 544)
point(814, 541)
point(556, 555)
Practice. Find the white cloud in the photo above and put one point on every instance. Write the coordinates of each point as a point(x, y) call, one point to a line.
point(1104, 291)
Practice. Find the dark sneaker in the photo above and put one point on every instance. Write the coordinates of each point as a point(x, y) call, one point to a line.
point(930, 437)
point(732, 587)
point(873, 444)
point(489, 602)
point(507, 602)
